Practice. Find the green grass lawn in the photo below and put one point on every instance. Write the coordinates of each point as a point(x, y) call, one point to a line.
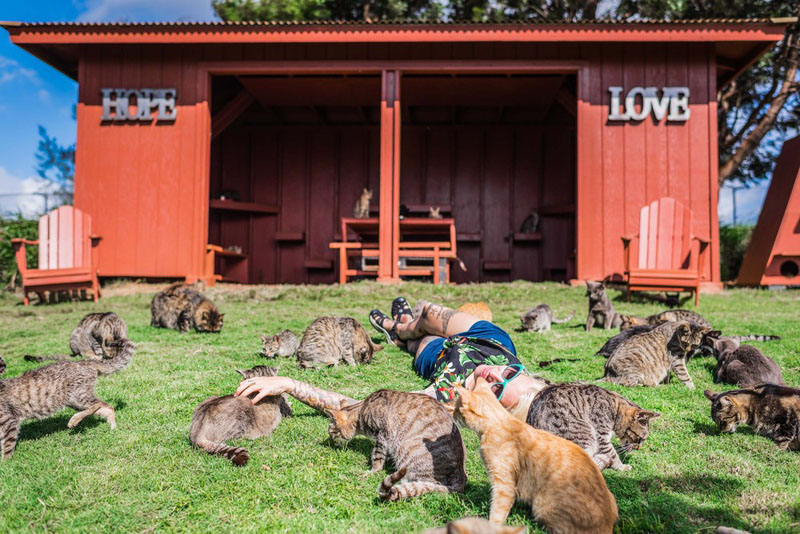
point(145, 476)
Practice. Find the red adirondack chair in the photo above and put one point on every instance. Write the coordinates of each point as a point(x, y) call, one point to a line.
point(67, 255)
point(666, 260)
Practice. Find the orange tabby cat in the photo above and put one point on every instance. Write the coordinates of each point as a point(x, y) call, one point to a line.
point(564, 487)
point(477, 309)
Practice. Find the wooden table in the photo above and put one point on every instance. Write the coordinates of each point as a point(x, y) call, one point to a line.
point(420, 237)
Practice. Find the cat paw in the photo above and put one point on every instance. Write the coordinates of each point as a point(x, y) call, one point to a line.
point(73, 421)
point(624, 467)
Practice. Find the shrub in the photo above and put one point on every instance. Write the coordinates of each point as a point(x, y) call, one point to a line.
point(733, 241)
point(10, 228)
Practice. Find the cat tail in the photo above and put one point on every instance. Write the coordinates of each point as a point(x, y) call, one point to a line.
point(461, 264)
point(124, 350)
point(754, 337)
point(565, 319)
point(391, 492)
point(56, 357)
point(238, 455)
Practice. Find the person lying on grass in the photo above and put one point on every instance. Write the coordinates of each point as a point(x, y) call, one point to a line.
point(450, 348)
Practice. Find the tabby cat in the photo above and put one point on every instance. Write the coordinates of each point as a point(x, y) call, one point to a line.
point(538, 319)
point(564, 487)
point(530, 224)
point(746, 366)
point(629, 321)
point(2, 365)
point(219, 419)
point(475, 525)
point(92, 338)
point(329, 340)
point(361, 209)
point(773, 411)
point(284, 344)
point(477, 309)
point(614, 342)
point(647, 359)
point(434, 213)
point(588, 415)
point(416, 431)
point(601, 311)
point(42, 392)
point(181, 307)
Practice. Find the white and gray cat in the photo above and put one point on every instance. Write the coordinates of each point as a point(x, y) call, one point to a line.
point(540, 318)
point(284, 344)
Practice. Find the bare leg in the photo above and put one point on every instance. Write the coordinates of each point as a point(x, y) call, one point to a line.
point(433, 320)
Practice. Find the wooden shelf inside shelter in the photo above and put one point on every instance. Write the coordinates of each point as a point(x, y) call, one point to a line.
point(524, 237)
point(497, 265)
point(290, 236)
point(474, 237)
point(235, 205)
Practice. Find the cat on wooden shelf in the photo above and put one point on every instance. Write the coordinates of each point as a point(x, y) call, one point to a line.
point(361, 209)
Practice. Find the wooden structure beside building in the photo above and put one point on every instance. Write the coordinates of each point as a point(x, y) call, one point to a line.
point(278, 127)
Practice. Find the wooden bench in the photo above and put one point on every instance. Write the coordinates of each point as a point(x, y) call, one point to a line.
point(67, 254)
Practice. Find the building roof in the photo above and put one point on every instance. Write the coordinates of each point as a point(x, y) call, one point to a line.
point(739, 41)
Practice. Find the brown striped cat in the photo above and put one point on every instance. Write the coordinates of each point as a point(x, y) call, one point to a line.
point(42, 392)
point(416, 431)
point(92, 338)
point(219, 419)
point(648, 358)
point(182, 308)
point(284, 344)
point(611, 345)
point(563, 486)
point(330, 340)
point(773, 411)
point(588, 416)
point(629, 321)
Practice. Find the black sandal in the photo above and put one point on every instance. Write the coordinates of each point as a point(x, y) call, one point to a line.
point(376, 319)
point(400, 307)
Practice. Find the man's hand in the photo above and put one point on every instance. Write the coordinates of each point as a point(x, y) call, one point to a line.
point(263, 386)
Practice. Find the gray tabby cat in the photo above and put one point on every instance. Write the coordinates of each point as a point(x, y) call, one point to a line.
point(42, 392)
point(92, 338)
point(588, 416)
point(181, 307)
point(539, 319)
point(530, 224)
point(361, 209)
point(745, 367)
point(284, 344)
point(629, 321)
point(772, 411)
point(601, 311)
point(416, 431)
point(611, 345)
point(329, 340)
point(647, 359)
point(219, 419)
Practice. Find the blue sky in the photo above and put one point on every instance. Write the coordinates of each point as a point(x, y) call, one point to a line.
point(33, 94)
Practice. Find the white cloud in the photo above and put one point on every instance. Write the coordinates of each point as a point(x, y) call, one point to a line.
point(44, 96)
point(748, 203)
point(19, 195)
point(11, 70)
point(146, 10)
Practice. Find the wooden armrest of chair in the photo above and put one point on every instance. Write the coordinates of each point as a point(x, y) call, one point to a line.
point(20, 241)
point(346, 244)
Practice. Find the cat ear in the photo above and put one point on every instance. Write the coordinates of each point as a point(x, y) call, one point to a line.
point(684, 327)
point(710, 395)
point(221, 315)
point(647, 415)
point(624, 318)
point(242, 372)
point(714, 333)
point(331, 413)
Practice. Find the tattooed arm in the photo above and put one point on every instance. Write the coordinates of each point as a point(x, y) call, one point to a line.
point(317, 398)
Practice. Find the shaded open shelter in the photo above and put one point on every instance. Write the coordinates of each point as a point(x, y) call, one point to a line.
point(258, 138)
point(773, 255)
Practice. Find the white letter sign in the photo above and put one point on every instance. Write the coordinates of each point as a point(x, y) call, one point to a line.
point(147, 100)
point(673, 103)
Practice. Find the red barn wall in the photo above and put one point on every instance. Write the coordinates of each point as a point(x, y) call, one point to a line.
point(147, 186)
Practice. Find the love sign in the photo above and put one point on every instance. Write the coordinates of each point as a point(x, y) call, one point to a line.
point(672, 104)
point(139, 104)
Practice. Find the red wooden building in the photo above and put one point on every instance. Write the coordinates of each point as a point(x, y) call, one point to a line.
point(289, 122)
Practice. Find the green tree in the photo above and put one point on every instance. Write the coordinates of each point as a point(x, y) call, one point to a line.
point(309, 10)
point(759, 108)
point(56, 164)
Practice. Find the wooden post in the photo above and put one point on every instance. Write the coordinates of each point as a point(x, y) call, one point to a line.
point(389, 205)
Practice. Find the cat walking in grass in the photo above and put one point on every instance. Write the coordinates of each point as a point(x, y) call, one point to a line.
point(330, 340)
point(92, 338)
point(416, 432)
point(43, 392)
point(561, 483)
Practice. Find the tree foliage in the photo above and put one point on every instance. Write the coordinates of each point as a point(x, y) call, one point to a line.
point(9, 229)
point(756, 111)
point(56, 164)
